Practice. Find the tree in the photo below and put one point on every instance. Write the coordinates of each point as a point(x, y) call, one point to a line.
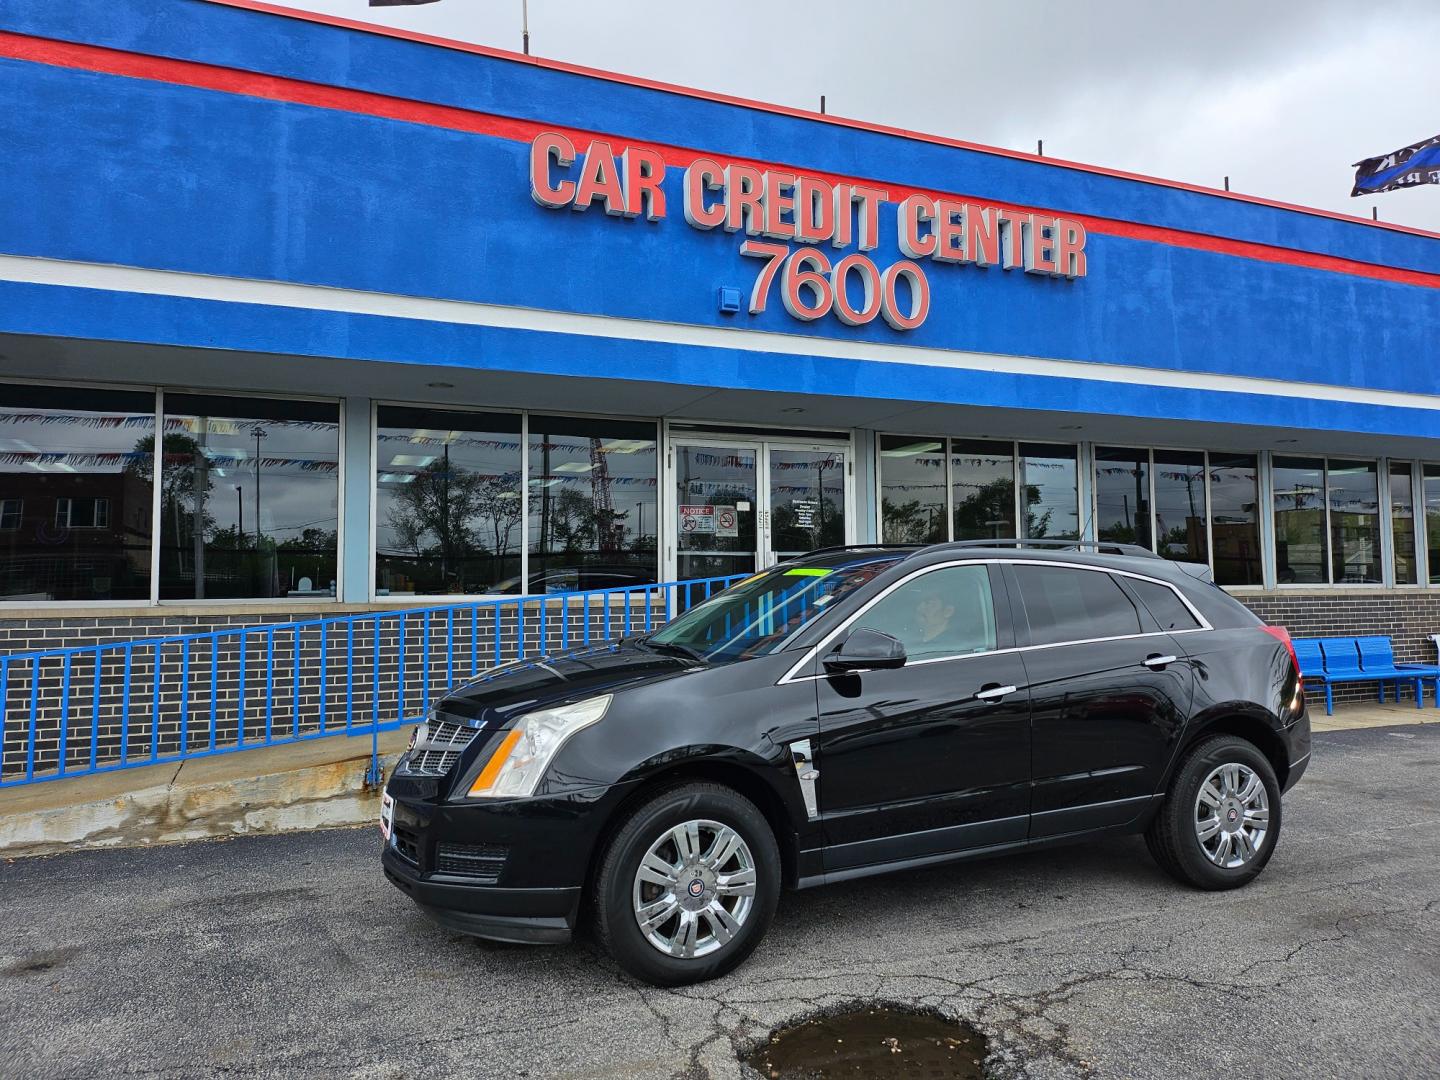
point(976, 515)
point(435, 513)
point(185, 486)
point(911, 523)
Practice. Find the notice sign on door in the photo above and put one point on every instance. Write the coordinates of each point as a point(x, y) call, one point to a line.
point(727, 523)
point(697, 519)
point(804, 510)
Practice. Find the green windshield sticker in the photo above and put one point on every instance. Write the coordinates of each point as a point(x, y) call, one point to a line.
point(799, 572)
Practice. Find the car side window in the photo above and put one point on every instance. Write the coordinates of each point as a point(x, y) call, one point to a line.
point(1074, 605)
point(947, 612)
point(1169, 610)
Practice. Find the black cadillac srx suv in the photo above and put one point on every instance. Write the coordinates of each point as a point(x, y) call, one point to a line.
point(851, 712)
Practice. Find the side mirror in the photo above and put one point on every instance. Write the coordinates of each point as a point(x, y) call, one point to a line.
point(865, 649)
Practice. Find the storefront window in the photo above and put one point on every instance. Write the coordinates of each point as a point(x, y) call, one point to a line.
point(1431, 479)
point(912, 489)
point(1354, 521)
point(1235, 518)
point(447, 502)
point(592, 504)
point(76, 492)
point(1122, 495)
point(1050, 501)
point(982, 475)
point(1180, 505)
point(1301, 550)
point(249, 498)
point(1402, 522)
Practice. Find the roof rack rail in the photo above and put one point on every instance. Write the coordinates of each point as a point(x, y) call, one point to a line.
point(856, 547)
point(1102, 547)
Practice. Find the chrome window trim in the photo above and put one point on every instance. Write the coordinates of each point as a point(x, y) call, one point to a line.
point(793, 674)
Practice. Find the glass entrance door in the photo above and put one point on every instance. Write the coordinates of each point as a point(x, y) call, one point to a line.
point(741, 506)
point(806, 500)
point(716, 520)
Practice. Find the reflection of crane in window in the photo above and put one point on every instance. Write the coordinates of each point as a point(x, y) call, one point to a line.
point(608, 530)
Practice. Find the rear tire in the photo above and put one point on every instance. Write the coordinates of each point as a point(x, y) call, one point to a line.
point(1220, 820)
point(687, 886)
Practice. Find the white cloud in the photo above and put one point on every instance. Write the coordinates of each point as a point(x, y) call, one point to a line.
point(1282, 97)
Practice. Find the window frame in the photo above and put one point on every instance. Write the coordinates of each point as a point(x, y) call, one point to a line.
point(1261, 468)
point(1382, 507)
point(19, 513)
point(524, 415)
point(947, 441)
point(99, 605)
point(68, 502)
point(288, 602)
point(1422, 536)
point(373, 511)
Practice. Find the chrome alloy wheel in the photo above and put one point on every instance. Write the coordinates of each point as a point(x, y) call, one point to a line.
point(694, 889)
point(1232, 815)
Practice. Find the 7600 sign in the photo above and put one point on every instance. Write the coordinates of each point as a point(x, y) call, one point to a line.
point(782, 205)
point(807, 274)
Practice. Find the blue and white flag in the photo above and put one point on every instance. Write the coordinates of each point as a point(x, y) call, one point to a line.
point(1410, 167)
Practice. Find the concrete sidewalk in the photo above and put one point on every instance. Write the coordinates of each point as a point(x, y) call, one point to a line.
point(1351, 716)
point(307, 785)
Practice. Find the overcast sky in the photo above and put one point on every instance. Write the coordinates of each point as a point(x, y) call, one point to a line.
point(1283, 97)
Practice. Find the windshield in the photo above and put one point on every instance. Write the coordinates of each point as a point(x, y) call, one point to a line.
point(761, 613)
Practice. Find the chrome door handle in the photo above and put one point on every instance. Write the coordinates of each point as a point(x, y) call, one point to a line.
point(1155, 663)
point(995, 693)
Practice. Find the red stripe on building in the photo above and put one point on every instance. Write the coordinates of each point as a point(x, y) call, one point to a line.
point(298, 92)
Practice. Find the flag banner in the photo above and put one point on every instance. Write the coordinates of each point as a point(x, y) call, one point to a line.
point(398, 3)
point(1410, 167)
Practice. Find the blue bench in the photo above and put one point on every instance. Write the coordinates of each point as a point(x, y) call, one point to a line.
point(1362, 659)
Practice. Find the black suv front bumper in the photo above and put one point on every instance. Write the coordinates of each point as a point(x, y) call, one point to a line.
point(507, 870)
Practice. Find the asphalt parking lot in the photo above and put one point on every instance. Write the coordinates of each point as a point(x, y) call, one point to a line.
point(291, 955)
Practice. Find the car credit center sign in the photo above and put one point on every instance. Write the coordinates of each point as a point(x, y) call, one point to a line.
point(779, 205)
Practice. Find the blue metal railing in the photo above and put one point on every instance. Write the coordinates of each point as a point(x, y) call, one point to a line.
point(98, 708)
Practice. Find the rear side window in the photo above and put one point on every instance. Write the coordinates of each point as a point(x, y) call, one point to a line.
point(1074, 605)
point(1169, 610)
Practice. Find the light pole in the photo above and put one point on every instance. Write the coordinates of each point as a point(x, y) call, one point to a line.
point(240, 515)
point(260, 433)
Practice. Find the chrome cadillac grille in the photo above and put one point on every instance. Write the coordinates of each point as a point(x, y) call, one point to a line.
point(439, 747)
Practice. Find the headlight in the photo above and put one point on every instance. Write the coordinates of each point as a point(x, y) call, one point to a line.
point(515, 768)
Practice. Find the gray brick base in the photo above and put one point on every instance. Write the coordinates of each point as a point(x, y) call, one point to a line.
point(1406, 617)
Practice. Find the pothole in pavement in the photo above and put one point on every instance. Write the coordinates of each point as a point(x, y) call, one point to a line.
point(878, 1041)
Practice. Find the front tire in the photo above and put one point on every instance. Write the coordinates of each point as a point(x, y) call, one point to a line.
point(688, 885)
point(1220, 820)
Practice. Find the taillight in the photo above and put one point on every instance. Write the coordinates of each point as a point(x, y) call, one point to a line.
point(1283, 636)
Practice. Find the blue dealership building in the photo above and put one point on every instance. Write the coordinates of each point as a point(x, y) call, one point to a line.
point(298, 316)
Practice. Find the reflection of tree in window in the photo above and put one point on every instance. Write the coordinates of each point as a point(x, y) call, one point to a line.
point(988, 513)
point(982, 477)
point(448, 501)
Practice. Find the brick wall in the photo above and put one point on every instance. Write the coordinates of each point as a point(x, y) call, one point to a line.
point(1406, 617)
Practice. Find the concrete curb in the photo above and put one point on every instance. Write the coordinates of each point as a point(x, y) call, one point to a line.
point(312, 785)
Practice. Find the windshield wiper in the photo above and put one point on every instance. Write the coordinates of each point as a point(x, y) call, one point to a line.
point(673, 649)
